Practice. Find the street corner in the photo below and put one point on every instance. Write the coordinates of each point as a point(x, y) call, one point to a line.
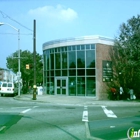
point(23, 97)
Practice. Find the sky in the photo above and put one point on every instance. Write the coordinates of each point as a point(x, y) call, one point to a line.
point(59, 19)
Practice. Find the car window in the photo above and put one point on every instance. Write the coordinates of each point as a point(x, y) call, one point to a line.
point(9, 85)
point(4, 85)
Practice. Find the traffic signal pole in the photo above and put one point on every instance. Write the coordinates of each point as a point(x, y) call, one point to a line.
point(34, 59)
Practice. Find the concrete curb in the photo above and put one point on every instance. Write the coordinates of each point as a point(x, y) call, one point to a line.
point(75, 101)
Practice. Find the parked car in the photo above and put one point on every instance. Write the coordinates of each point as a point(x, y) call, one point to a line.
point(7, 88)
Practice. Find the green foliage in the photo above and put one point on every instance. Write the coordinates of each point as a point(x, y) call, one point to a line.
point(126, 55)
point(27, 75)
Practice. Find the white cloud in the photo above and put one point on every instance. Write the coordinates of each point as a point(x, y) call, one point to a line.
point(55, 13)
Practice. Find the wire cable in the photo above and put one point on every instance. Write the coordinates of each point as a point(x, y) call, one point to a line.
point(6, 16)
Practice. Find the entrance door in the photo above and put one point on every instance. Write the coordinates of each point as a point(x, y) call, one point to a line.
point(61, 86)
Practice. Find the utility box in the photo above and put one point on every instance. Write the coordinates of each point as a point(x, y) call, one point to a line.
point(40, 90)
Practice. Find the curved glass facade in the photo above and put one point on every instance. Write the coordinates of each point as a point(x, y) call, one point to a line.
point(70, 70)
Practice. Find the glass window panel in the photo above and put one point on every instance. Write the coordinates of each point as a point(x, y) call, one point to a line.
point(52, 50)
point(57, 73)
point(48, 52)
point(52, 61)
point(81, 86)
point(62, 49)
point(72, 85)
point(48, 73)
point(80, 59)
point(87, 47)
point(48, 79)
point(4, 85)
point(52, 80)
point(72, 72)
point(63, 91)
point(80, 72)
point(90, 59)
point(64, 72)
point(72, 59)
point(58, 83)
point(47, 86)
point(90, 86)
point(55, 49)
point(45, 62)
point(57, 61)
point(52, 72)
point(82, 47)
point(65, 48)
point(58, 49)
point(92, 46)
point(45, 77)
point(90, 72)
point(50, 86)
point(58, 90)
point(78, 47)
point(64, 60)
point(48, 59)
point(63, 83)
point(73, 47)
point(69, 48)
point(48, 62)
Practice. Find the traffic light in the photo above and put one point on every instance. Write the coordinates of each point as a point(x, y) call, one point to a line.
point(27, 66)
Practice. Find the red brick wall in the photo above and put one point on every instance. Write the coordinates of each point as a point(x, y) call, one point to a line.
point(102, 53)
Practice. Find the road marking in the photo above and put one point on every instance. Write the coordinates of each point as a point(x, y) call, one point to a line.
point(85, 114)
point(112, 126)
point(25, 111)
point(109, 113)
point(85, 107)
point(35, 106)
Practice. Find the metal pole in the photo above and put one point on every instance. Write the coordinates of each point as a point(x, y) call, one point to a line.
point(34, 52)
point(19, 62)
point(18, 73)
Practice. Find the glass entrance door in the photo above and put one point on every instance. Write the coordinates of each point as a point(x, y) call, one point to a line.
point(61, 86)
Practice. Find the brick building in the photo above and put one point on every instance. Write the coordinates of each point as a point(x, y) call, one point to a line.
point(78, 66)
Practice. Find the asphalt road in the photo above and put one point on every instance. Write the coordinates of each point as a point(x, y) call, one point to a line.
point(24, 120)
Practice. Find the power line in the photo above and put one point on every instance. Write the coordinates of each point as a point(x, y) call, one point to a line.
point(16, 33)
point(6, 16)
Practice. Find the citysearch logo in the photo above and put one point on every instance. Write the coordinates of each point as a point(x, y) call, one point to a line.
point(131, 133)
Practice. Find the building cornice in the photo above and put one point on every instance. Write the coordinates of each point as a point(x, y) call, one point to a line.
point(95, 39)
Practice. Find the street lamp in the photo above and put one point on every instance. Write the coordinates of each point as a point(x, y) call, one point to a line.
point(18, 73)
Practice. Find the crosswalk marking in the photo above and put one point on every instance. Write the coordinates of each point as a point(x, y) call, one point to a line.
point(109, 113)
point(85, 114)
point(25, 111)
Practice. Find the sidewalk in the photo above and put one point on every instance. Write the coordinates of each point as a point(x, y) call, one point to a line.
point(74, 100)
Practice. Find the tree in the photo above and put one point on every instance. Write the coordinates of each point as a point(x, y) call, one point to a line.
point(27, 75)
point(126, 55)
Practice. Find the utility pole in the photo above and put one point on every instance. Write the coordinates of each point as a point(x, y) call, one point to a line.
point(34, 59)
point(19, 72)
